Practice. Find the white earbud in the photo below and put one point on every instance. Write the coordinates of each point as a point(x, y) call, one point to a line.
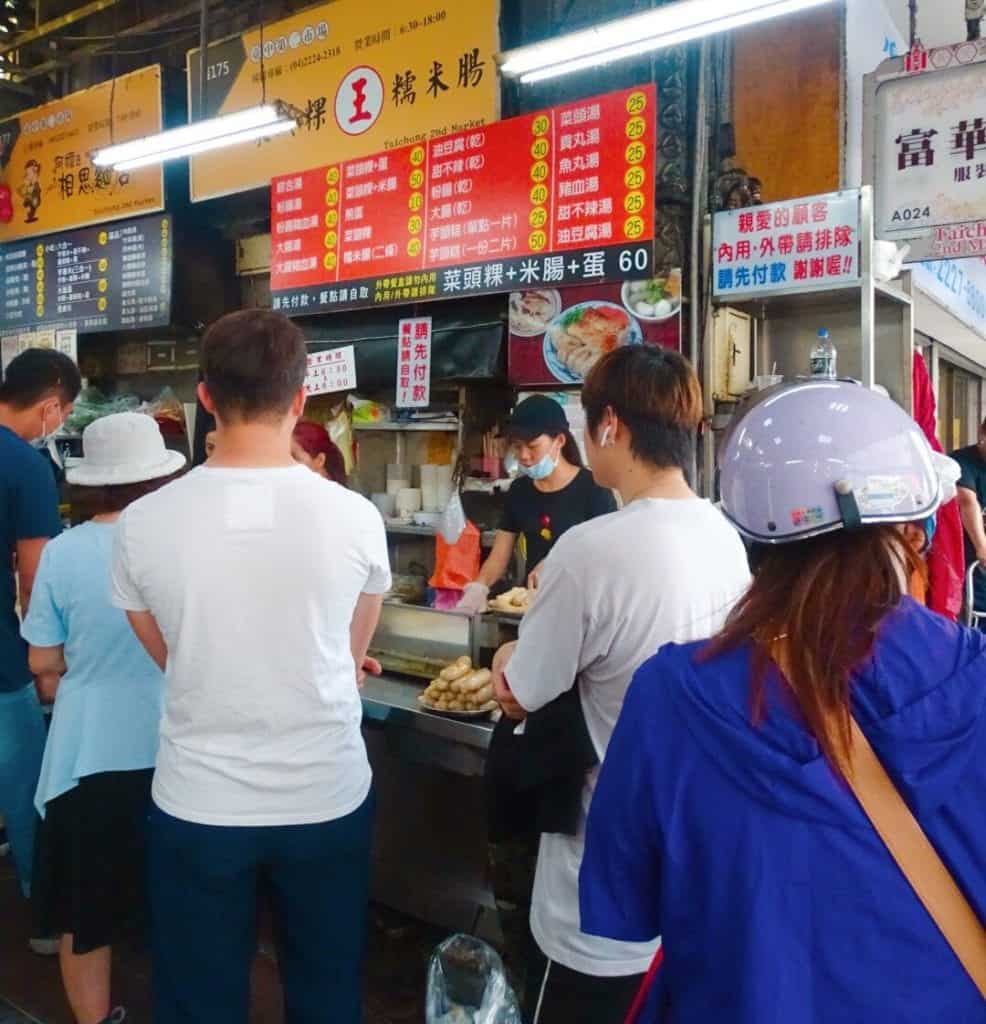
point(606, 440)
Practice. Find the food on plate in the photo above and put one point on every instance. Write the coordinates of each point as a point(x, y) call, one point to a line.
point(513, 602)
point(531, 312)
point(656, 298)
point(470, 692)
point(587, 332)
point(456, 670)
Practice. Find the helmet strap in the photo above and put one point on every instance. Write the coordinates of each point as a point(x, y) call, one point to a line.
point(848, 508)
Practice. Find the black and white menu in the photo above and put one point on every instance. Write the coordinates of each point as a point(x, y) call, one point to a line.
point(113, 277)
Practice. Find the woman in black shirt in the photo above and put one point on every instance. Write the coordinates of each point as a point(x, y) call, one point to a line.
point(554, 493)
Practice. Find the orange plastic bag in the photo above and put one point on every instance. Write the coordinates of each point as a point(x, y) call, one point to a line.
point(456, 564)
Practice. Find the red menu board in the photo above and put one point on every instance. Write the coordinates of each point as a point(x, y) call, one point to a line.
point(559, 197)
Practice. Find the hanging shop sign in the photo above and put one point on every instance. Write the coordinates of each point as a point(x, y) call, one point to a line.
point(109, 278)
point(559, 197)
point(45, 158)
point(925, 152)
point(798, 245)
point(959, 286)
point(414, 363)
point(556, 337)
point(364, 77)
point(331, 370)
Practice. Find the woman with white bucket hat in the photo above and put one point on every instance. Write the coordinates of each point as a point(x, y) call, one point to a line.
point(94, 790)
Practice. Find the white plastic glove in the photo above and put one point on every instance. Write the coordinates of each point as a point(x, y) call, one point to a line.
point(474, 598)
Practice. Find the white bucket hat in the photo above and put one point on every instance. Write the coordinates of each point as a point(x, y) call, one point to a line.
point(125, 448)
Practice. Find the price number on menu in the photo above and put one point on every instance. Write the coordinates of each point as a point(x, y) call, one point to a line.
point(636, 128)
point(540, 171)
point(634, 260)
point(635, 177)
point(540, 149)
point(636, 103)
point(634, 202)
point(633, 227)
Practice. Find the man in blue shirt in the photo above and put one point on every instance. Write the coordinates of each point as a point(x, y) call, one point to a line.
point(36, 396)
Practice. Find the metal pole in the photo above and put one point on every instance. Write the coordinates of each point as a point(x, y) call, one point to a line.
point(203, 37)
point(912, 6)
point(700, 191)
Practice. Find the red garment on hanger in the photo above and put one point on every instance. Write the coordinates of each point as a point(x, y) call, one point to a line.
point(946, 560)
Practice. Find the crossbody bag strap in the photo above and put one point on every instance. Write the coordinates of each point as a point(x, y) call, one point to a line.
point(916, 857)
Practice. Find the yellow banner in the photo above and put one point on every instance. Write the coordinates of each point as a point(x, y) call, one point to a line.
point(46, 157)
point(366, 76)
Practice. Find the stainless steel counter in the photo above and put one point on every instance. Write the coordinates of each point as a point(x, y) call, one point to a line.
point(389, 700)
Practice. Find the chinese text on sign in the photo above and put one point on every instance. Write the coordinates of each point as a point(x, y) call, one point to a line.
point(414, 363)
point(798, 245)
point(464, 214)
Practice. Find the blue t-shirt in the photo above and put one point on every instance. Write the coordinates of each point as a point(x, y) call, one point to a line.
point(108, 705)
point(28, 509)
point(777, 901)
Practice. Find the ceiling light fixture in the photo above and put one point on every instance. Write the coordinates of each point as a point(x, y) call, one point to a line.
point(200, 136)
point(635, 34)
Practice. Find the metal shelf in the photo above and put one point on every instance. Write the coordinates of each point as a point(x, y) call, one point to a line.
point(410, 426)
point(429, 531)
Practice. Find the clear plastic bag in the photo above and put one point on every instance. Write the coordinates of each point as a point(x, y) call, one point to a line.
point(468, 985)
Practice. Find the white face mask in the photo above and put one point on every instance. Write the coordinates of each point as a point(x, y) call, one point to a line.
point(47, 439)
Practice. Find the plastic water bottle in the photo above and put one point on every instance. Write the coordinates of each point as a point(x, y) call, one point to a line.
point(824, 356)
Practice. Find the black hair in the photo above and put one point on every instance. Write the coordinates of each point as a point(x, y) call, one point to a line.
point(37, 374)
point(253, 364)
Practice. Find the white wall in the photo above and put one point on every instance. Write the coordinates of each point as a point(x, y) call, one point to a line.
point(940, 22)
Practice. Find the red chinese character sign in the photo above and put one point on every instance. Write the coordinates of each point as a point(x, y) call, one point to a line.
point(925, 151)
point(331, 370)
point(799, 245)
point(414, 363)
point(554, 198)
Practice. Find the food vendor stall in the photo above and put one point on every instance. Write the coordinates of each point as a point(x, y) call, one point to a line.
point(434, 384)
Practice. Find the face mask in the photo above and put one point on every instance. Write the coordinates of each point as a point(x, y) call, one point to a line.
point(541, 469)
point(47, 440)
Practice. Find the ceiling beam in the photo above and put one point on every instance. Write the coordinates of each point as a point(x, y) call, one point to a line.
point(56, 24)
point(93, 49)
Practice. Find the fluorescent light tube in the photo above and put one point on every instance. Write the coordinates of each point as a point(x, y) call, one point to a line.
point(197, 137)
point(641, 33)
point(263, 131)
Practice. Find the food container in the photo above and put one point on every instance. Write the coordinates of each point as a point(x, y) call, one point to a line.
point(398, 478)
point(408, 587)
point(429, 488)
point(386, 504)
point(444, 485)
point(408, 502)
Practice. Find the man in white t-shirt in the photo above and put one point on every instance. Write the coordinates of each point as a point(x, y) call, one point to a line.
point(256, 584)
point(667, 568)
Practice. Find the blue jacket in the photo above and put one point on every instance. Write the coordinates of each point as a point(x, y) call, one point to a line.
point(777, 901)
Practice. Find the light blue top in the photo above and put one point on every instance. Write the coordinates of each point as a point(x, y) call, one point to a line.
point(108, 704)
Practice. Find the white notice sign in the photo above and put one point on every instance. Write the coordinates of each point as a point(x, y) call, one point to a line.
point(414, 363)
point(332, 370)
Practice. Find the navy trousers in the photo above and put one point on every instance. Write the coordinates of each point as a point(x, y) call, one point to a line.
point(203, 887)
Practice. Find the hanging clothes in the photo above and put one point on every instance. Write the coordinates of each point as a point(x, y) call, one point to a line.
point(946, 560)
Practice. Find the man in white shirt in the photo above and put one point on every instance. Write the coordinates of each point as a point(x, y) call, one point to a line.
point(667, 568)
point(256, 584)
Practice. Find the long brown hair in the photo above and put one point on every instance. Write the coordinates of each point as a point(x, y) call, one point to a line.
point(824, 600)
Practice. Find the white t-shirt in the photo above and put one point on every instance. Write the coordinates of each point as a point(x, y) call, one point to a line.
point(612, 592)
point(253, 576)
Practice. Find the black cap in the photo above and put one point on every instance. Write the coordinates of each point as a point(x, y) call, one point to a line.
point(535, 416)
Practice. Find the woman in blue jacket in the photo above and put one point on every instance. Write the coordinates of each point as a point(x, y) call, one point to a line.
point(723, 820)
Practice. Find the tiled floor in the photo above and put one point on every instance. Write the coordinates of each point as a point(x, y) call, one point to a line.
point(31, 992)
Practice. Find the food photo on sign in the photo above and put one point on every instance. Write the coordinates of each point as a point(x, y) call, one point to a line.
point(558, 335)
